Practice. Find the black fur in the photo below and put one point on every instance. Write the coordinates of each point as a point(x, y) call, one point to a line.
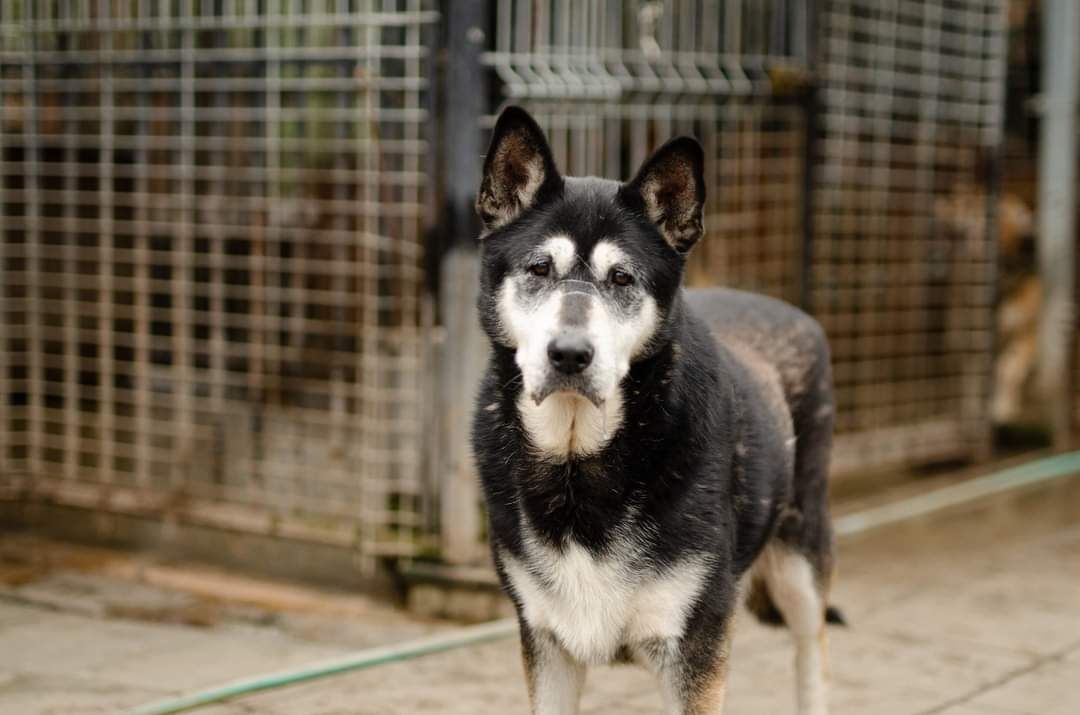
point(701, 459)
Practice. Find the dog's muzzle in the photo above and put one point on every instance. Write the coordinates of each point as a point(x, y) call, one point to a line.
point(571, 351)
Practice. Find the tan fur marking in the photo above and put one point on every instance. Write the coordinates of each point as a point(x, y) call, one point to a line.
point(797, 593)
point(709, 698)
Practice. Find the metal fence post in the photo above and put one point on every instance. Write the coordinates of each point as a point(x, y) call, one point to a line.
point(464, 350)
point(1057, 193)
point(812, 105)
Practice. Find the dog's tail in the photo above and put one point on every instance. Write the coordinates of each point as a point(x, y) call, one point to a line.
point(761, 604)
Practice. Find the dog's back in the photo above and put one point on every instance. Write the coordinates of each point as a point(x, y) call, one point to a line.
point(787, 354)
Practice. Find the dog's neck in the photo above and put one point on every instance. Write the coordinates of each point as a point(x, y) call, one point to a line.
point(583, 494)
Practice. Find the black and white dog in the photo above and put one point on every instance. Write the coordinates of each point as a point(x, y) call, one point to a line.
point(645, 450)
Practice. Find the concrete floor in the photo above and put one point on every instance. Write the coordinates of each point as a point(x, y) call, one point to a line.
point(971, 612)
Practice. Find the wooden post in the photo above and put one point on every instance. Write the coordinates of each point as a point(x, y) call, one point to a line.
point(1057, 224)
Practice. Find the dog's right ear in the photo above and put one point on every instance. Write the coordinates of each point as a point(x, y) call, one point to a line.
point(519, 170)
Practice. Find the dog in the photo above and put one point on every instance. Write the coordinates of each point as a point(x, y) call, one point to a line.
point(963, 214)
point(649, 455)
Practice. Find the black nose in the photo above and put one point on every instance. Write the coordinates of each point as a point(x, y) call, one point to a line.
point(570, 354)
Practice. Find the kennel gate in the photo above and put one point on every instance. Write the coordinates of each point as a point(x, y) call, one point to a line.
point(213, 289)
point(831, 130)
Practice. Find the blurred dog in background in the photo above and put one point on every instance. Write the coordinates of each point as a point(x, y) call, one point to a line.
point(963, 213)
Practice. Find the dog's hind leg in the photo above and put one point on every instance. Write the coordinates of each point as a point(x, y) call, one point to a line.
point(554, 678)
point(797, 594)
point(797, 564)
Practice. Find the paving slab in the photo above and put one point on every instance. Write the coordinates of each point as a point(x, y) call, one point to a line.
point(1053, 688)
point(972, 612)
point(68, 695)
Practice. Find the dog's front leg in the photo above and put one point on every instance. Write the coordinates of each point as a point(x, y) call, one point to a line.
point(693, 677)
point(554, 678)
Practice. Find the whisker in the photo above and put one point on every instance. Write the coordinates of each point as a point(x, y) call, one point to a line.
point(588, 266)
point(518, 377)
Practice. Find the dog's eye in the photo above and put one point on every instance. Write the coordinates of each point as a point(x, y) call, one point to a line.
point(621, 278)
point(541, 269)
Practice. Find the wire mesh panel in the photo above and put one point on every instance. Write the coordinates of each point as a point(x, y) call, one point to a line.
point(910, 97)
point(903, 267)
point(212, 261)
point(610, 81)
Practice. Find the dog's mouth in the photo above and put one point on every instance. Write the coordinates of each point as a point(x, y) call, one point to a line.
point(575, 387)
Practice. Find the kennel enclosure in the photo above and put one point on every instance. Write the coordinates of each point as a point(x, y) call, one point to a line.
point(216, 221)
point(833, 133)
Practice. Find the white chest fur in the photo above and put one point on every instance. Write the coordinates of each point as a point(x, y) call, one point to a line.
point(566, 424)
point(595, 605)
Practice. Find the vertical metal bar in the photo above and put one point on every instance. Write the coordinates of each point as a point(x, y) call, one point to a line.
point(182, 254)
point(276, 352)
point(338, 377)
point(217, 346)
point(465, 346)
point(1057, 195)
point(811, 109)
point(7, 410)
point(466, 103)
point(65, 280)
point(433, 215)
point(373, 493)
point(35, 374)
point(412, 385)
point(138, 390)
point(982, 431)
point(106, 407)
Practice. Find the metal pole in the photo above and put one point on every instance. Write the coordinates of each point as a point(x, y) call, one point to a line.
point(993, 145)
point(464, 350)
point(812, 106)
point(466, 103)
point(1057, 194)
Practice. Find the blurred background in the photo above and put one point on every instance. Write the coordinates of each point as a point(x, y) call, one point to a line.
point(238, 250)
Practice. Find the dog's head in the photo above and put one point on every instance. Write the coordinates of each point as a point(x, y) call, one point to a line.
point(579, 274)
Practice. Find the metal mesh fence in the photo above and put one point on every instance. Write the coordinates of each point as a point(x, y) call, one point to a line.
point(910, 96)
point(903, 264)
point(610, 81)
point(212, 269)
point(212, 302)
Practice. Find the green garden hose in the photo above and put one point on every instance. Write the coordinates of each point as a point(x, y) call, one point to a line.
point(1023, 475)
point(458, 638)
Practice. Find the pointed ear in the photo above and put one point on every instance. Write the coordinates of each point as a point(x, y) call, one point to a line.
point(519, 170)
point(671, 188)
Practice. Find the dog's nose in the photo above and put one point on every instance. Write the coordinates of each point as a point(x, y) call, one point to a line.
point(570, 354)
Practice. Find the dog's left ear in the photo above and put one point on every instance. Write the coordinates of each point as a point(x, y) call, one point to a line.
point(670, 186)
point(519, 170)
